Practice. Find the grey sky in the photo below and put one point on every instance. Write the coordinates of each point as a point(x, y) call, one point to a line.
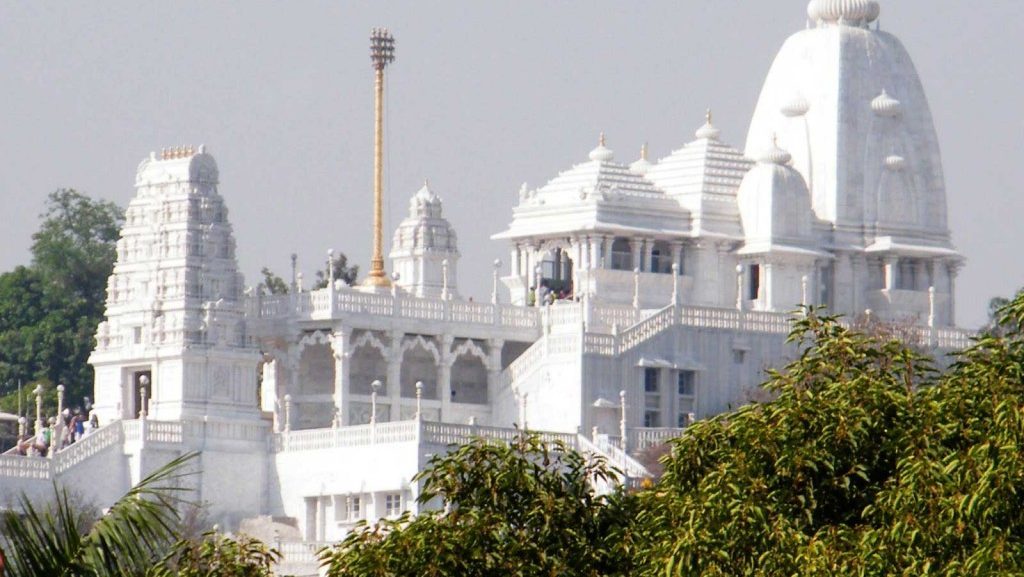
point(482, 97)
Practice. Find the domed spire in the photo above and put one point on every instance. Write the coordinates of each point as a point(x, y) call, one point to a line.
point(601, 153)
point(424, 193)
point(642, 165)
point(852, 12)
point(708, 131)
point(885, 105)
point(775, 155)
point(797, 106)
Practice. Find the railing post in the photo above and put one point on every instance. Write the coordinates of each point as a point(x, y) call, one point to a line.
point(931, 316)
point(636, 288)
point(622, 420)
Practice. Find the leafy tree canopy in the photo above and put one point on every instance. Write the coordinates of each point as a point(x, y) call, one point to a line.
point(868, 462)
point(525, 508)
point(49, 310)
point(274, 284)
point(342, 271)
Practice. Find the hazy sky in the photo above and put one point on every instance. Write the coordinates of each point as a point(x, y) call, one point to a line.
point(483, 96)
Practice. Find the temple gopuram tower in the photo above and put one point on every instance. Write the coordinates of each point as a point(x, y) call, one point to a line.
point(174, 345)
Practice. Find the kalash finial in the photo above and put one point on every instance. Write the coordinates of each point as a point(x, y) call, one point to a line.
point(600, 139)
point(707, 116)
point(643, 151)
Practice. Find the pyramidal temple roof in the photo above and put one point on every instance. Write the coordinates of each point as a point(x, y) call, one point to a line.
point(703, 177)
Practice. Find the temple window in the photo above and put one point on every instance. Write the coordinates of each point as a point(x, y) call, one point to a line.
point(622, 255)
point(753, 282)
point(392, 504)
point(661, 258)
point(418, 365)
point(469, 380)
point(686, 394)
point(652, 397)
point(368, 365)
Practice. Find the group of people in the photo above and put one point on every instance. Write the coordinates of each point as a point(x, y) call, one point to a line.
point(59, 432)
point(547, 296)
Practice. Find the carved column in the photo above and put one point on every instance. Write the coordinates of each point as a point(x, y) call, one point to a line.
point(594, 262)
point(394, 383)
point(444, 377)
point(890, 263)
point(677, 257)
point(494, 347)
point(635, 246)
point(340, 340)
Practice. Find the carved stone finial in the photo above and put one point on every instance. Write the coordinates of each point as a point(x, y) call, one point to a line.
point(707, 116)
point(643, 152)
point(600, 139)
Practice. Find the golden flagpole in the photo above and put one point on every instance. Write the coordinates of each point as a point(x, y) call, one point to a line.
point(382, 53)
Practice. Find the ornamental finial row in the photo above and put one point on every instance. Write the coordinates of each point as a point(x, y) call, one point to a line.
point(177, 152)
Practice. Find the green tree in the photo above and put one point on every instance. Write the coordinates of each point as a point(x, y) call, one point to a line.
point(49, 311)
point(218, 555)
point(274, 284)
point(128, 540)
point(867, 462)
point(342, 271)
point(525, 508)
point(75, 247)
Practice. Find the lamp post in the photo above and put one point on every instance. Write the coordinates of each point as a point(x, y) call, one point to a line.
point(60, 399)
point(419, 400)
point(330, 268)
point(622, 419)
point(636, 288)
point(445, 295)
point(382, 53)
point(376, 385)
point(675, 284)
point(494, 290)
point(39, 410)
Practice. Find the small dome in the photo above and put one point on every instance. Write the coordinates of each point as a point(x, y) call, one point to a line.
point(885, 105)
point(895, 162)
point(844, 11)
point(708, 131)
point(642, 165)
point(798, 106)
point(601, 153)
point(424, 194)
point(775, 155)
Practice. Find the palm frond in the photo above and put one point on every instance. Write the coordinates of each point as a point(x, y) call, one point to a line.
point(127, 540)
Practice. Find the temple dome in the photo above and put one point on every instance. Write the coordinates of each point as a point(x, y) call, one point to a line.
point(861, 99)
point(602, 153)
point(774, 202)
point(843, 11)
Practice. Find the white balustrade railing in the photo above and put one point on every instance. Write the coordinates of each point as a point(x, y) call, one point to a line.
point(598, 344)
point(19, 467)
point(525, 364)
point(620, 459)
point(643, 438)
point(607, 316)
point(164, 431)
point(132, 430)
point(563, 313)
point(647, 328)
point(317, 305)
point(88, 446)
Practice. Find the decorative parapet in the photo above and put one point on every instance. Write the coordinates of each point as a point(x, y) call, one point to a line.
point(319, 305)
